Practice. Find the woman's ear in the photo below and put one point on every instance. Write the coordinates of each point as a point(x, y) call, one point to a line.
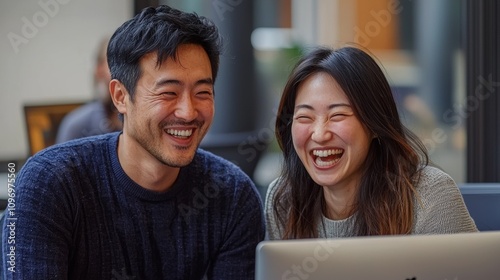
point(119, 95)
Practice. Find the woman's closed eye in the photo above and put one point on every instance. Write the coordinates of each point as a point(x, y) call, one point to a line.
point(339, 116)
point(303, 118)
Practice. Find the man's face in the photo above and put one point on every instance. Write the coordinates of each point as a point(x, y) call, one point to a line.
point(173, 106)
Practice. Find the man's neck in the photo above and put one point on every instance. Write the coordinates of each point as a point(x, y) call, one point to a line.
point(143, 168)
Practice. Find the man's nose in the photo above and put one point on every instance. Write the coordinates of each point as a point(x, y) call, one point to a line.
point(186, 108)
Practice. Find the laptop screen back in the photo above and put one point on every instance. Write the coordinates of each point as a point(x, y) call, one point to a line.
point(423, 257)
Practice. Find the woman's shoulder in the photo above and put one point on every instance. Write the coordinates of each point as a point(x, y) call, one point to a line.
point(439, 204)
point(434, 183)
point(271, 190)
point(432, 176)
point(274, 228)
point(270, 197)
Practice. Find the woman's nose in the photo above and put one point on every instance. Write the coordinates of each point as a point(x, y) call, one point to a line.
point(321, 132)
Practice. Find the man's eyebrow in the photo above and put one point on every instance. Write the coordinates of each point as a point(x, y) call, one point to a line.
point(331, 106)
point(163, 82)
point(208, 81)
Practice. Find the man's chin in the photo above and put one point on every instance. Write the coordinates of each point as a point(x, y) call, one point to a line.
point(179, 161)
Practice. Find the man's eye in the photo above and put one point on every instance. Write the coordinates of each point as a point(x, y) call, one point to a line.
point(205, 95)
point(168, 93)
point(205, 92)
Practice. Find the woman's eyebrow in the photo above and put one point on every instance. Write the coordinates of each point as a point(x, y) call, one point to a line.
point(331, 106)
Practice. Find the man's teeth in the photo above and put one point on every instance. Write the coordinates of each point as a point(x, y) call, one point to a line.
point(181, 133)
point(325, 153)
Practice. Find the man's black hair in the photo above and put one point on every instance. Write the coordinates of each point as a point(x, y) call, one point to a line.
point(161, 30)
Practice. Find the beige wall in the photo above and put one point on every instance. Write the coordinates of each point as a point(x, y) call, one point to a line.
point(372, 24)
point(46, 55)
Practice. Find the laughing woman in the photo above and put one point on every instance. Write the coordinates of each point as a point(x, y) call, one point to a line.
point(350, 167)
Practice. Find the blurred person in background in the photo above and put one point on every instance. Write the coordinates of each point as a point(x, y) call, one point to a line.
point(98, 116)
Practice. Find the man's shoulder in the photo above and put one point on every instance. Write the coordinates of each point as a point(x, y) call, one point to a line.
point(214, 174)
point(63, 168)
point(208, 166)
point(83, 149)
point(217, 163)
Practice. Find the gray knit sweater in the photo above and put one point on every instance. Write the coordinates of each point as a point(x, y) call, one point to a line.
point(440, 209)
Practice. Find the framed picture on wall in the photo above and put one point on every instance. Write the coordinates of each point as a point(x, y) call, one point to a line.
point(42, 123)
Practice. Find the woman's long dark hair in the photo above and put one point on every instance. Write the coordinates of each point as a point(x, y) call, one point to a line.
point(384, 204)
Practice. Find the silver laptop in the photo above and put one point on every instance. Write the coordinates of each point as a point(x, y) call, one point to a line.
point(463, 256)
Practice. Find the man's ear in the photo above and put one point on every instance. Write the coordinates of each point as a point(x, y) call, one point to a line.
point(119, 95)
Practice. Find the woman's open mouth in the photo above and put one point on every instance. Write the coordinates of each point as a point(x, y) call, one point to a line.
point(324, 158)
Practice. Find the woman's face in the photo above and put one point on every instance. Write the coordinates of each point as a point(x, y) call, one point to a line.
point(328, 137)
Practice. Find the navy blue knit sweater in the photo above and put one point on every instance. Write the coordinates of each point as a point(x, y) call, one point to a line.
point(79, 216)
